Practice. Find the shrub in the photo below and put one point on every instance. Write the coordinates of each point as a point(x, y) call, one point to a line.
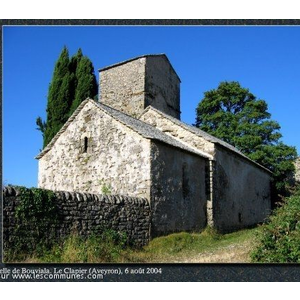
point(279, 238)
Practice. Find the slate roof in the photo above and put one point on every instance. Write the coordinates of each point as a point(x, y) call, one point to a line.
point(203, 134)
point(142, 128)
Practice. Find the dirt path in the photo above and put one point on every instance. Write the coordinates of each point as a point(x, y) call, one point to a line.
point(235, 253)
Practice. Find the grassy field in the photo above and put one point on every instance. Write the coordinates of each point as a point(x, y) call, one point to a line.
point(205, 247)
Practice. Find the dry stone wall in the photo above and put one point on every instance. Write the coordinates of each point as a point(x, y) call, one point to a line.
point(85, 213)
point(116, 158)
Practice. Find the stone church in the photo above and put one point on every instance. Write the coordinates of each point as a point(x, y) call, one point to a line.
point(133, 143)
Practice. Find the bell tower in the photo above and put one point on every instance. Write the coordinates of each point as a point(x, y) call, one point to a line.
point(132, 85)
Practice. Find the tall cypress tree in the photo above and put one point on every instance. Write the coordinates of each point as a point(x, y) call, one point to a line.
point(86, 84)
point(59, 99)
point(73, 67)
point(72, 82)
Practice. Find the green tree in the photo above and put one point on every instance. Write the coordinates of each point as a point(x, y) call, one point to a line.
point(85, 80)
point(59, 97)
point(72, 82)
point(236, 116)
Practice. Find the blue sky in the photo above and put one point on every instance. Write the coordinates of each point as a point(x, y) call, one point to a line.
point(264, 59)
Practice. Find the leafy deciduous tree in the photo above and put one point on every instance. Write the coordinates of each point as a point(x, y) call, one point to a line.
point(236, 116)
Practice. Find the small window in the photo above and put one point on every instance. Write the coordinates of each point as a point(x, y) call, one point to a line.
point(240, 217)
point(185, 182)
point(86, 141)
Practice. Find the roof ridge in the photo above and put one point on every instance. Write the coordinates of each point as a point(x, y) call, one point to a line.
point(190, 126)
point(153, 133)
point(204, 134)
point(175, 142)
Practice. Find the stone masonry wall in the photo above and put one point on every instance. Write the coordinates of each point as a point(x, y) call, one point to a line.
point(83, 213)
point(123, 87)
point(241, 192)
point(165, 125)
point(156, 119)
point(178, 191)
point(132, 86)
point(117, 158)
point(162, 86)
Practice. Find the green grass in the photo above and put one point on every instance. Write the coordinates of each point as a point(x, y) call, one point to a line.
point(175, 247)
point(179, 246)
point(104, 247)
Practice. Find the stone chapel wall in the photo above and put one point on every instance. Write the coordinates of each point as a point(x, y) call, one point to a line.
point(133, 85)
point(123, 87)
point(116, 160)
point(162, 86)
point(178, 191)
point(241, 192)
point(178, 132)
